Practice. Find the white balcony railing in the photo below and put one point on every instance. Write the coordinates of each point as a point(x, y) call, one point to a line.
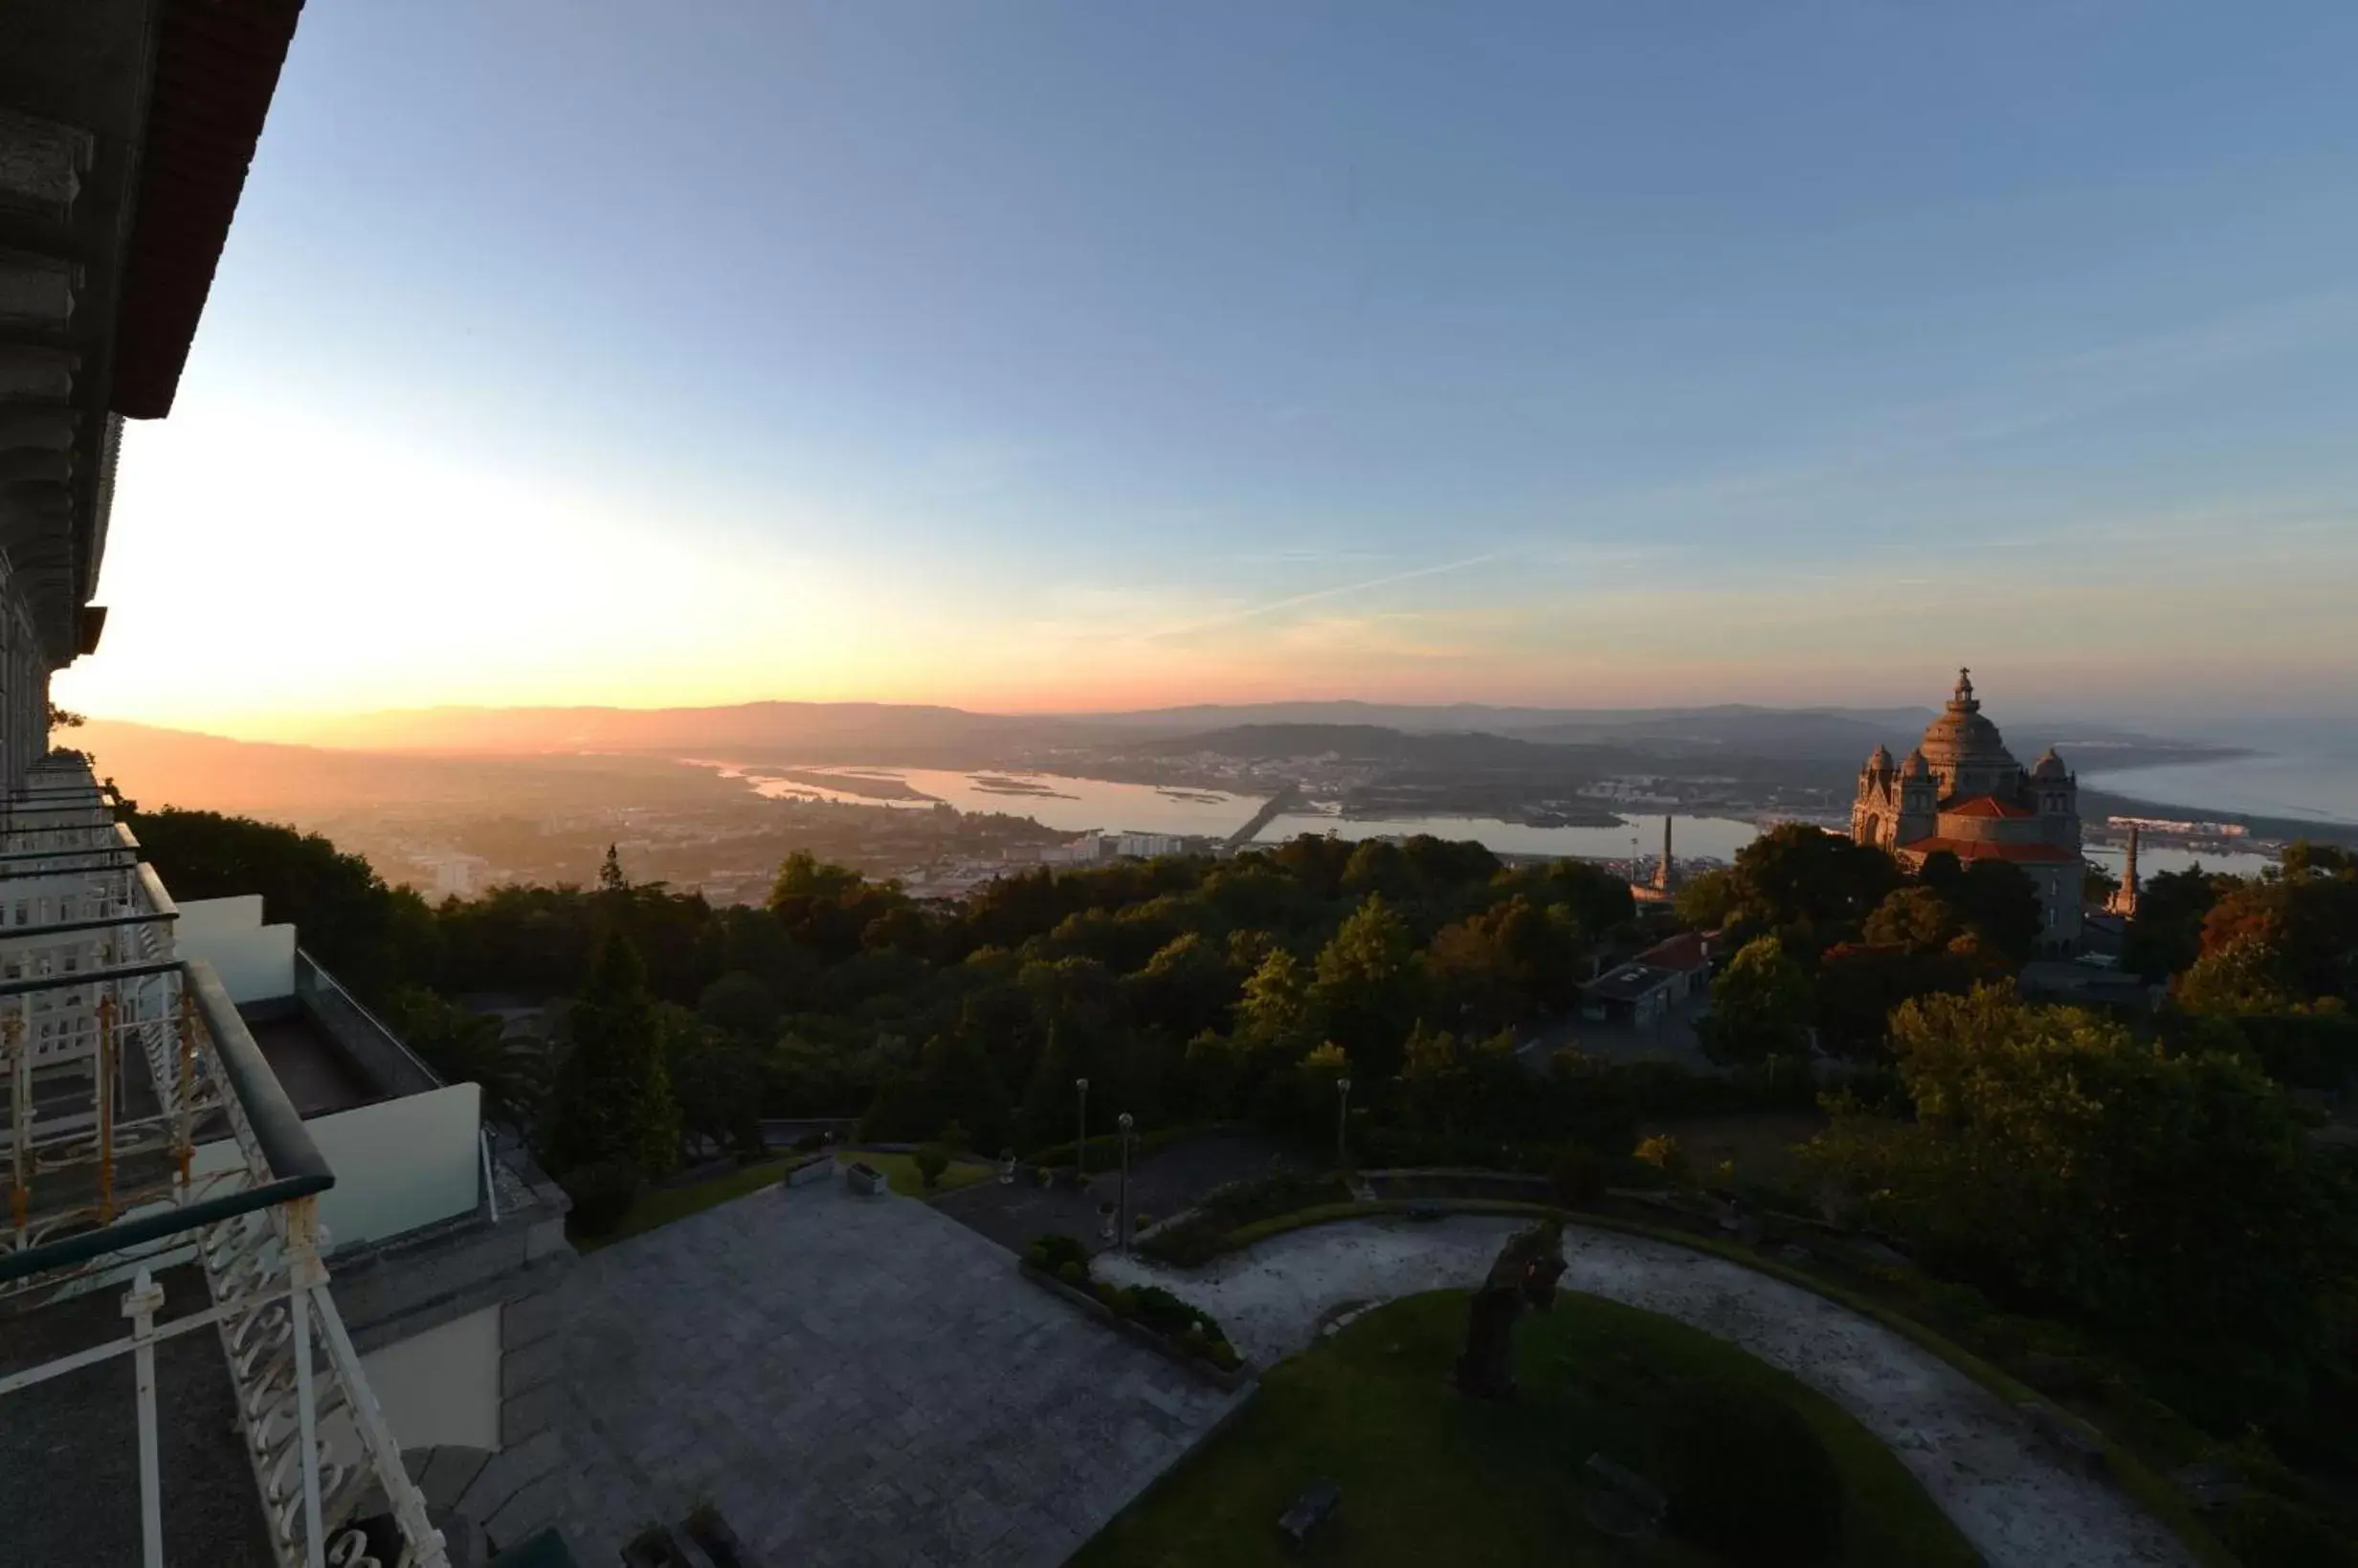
point(119, 1059)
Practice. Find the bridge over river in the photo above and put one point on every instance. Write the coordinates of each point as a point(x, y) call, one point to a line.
point(1277, 805)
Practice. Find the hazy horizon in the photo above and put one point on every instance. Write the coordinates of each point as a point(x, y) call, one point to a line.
point(1071, 358)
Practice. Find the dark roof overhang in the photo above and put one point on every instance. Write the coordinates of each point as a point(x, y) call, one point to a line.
point(127, 128)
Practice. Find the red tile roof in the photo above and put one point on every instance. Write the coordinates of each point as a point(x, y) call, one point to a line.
point(1684, 951)
point(1974, 849)
point(1985, 805)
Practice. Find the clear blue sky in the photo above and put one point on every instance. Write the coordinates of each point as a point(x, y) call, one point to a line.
point(1106, 354)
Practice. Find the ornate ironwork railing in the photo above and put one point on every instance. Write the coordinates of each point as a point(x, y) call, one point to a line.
point(144, 1127)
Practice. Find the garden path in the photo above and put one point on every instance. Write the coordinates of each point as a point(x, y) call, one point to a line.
point(2020, 1502)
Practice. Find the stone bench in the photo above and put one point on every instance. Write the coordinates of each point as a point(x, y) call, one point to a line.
point(1620, 1502)
point(1315, 1505)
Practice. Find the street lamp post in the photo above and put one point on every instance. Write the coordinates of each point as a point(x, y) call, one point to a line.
point(1123, 1123)
point(1080, 1144)
point(1342, 1121)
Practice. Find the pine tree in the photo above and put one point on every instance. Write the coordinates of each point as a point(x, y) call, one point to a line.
point(613, 1095)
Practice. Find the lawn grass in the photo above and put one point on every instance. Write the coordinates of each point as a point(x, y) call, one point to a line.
point(661, 1206)
point(1429, 1476)
point(901, 1173)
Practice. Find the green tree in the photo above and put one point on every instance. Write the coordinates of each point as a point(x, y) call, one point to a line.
point(1760, 1007)
point(1507, 963)
point(1803, 878)
point(462, 1047)
point(1370, 985)
point(2167, 933)
point(2247, 975)
point(1707, 901)
point(2000, 902)
point(716, 1079)
point(741, 1007)
point(2054, 1153)
point(369, 937)
point(1278, 1012)
point(1858, 986)
point(1451, 1085)
point(1915, 918)
point(614, 1093)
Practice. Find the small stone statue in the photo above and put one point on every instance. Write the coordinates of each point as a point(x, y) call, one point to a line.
point(1525, 1274)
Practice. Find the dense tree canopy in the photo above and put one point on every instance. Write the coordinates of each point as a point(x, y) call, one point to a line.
point(612, 1102)
point(2059, 1159)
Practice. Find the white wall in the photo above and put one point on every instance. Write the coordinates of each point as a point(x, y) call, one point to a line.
point(399, 1164)
point(256, 962)
point(442, 1385)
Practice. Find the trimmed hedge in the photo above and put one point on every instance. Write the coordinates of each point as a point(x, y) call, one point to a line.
point(1052, 1250)
point(1201, 1234)
point(1105, 1149)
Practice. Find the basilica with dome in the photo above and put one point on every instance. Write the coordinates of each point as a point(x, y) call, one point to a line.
point(1962, 791)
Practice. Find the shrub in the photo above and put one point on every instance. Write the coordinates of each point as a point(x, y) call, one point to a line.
point(1058, 1249)
point(810, 1142)
point(1035, 1255)
point(1747, 1476)
point(1105, 1149)
point(1171, 1317)
point(1661, 1151)
point(931, 1159)
point(1577, 1178)
point(602, 1194)
point(1224, 1356)
point(1073, 1274)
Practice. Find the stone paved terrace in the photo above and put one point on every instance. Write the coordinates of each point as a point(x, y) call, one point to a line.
point(855, 1381)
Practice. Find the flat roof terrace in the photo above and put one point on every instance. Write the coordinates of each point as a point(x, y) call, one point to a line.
point(315, 1071)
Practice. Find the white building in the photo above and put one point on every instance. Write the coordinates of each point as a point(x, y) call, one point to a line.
point(261, 1272)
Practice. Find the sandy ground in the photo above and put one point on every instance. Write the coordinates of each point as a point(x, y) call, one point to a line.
point(2016, 1499)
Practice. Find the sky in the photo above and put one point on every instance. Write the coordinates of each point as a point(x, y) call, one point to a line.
point(1033, 356)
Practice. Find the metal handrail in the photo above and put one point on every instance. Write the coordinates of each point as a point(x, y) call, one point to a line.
point(289, 1358)
point(319, 976)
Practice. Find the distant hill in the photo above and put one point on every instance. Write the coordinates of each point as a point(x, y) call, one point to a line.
point(158, 767)
point(808, 731)
point(1471, 750)
point(1715, 740)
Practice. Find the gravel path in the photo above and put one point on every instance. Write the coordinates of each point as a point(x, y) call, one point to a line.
point(2016, 1500)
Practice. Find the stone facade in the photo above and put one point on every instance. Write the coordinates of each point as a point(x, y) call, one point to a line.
point(1962, 791)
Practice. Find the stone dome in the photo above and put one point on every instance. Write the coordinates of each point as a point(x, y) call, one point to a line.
point(1961, 738)
point(2049, 766)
